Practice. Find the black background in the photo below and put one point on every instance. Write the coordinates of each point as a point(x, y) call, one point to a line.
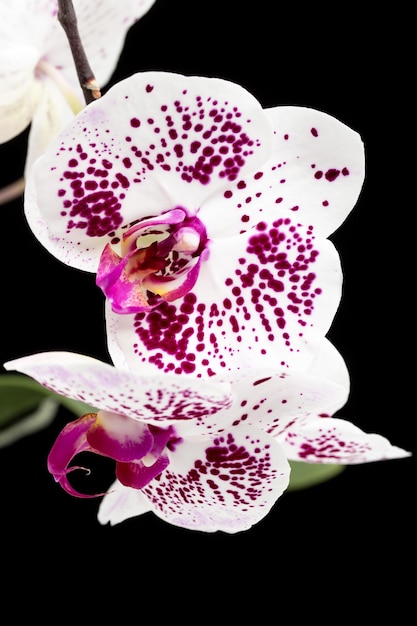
point(339, 550)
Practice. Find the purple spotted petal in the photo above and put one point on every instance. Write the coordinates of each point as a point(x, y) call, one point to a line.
point(313, 177)
point(280, 289)
point(155, 141)
point(235, 316)
point(276, 402)
point(157, 399)
point(120, 437)
point(333, 440)
point(228, 483)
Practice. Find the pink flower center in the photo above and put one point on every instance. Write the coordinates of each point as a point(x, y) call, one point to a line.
point(159, 260)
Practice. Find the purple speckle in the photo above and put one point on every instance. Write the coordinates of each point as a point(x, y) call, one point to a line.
point(331, 174)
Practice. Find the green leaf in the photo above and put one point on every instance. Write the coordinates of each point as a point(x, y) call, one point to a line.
point(304, 475)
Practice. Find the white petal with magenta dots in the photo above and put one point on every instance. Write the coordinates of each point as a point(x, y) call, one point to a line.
point(323, 164)
point(277, 402)
point(159, 400)
point(314, 176)
point(154, 141)
point(334, 440)
point(239, 312)
point(228, 483)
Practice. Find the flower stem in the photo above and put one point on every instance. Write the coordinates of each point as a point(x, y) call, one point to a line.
point(68, 21)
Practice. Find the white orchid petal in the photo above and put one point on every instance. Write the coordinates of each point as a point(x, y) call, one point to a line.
point(160, 400)
point(51, 114)
point(240, 312)
point(313, 176)
point(276, 402)
point(334, 440)
point(228, 483)
point(20, 89)
point(154, 142)
point(27, 21)
point(122, 503)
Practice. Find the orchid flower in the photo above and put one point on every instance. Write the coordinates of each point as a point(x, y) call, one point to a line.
point(205, 455)
point(38, 80)
point(204, 216)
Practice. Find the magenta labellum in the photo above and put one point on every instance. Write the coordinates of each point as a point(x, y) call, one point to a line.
point(160, 261)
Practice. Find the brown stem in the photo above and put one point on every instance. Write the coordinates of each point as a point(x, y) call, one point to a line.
point(68, 21)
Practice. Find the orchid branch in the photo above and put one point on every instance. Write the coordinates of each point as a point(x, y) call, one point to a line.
point(68, 21)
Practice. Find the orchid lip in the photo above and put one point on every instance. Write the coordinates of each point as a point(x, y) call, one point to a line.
point(160, 261)
point(139, 450)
